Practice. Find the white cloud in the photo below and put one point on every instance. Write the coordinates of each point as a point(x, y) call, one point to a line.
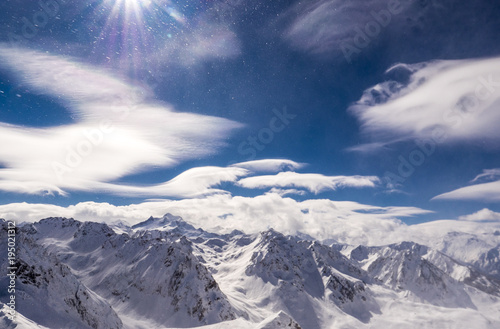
point(347, 222)
point(315, 183)
point(283, 192)
point(194, 182)
point(481, 215)
point(270, 165)
point(489, 174)
point(322, 26)
point(444, 101)
point(208, 41)
point(451, 236)
point(486, 192)
point(30, 212)
point(118, 130)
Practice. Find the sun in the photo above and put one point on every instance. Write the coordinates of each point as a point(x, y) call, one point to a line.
point(128, 29)
point(140, 1)
point(136, 3)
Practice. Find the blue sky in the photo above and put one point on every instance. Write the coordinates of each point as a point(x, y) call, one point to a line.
point(390, 107)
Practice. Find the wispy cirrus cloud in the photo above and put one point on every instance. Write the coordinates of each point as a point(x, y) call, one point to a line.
point(324, 27)
point(488, 174)
point(321, 26)
point(314, 183)
point(208, 42)
point(444, 100)
point(118, 130)
point(202, 41)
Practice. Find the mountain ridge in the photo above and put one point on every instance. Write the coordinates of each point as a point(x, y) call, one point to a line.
point(191, 278)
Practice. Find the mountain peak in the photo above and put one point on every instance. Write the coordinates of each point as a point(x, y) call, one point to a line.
point(271, 234)
point(168, 222)
point(280, 320)
point(63, 221)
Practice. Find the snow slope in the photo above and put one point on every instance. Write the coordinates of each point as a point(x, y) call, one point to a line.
point(165, 273)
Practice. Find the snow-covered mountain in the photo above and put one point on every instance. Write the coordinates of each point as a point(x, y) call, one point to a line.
point(165, 273)
point(48, 292)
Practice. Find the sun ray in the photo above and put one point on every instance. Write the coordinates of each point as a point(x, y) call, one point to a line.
point(128, 33)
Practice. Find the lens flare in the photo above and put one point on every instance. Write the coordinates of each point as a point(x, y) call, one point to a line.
point(132, 27)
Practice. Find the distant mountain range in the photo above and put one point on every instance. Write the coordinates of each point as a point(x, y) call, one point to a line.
point(165, 273)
